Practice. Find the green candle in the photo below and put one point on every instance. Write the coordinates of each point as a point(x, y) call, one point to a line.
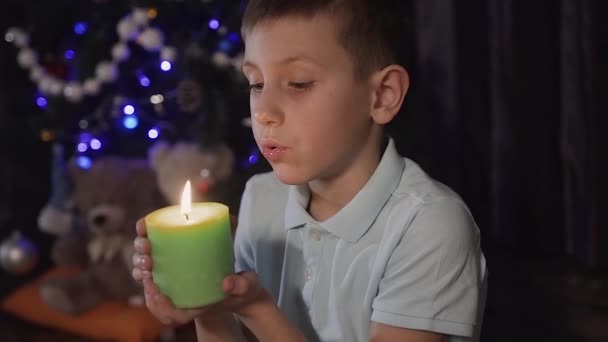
point(191, 251)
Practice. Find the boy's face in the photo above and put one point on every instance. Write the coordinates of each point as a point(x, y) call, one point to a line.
point(311, 116)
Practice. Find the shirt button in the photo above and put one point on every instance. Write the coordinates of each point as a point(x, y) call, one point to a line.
point(315, 235)
point(308, 273)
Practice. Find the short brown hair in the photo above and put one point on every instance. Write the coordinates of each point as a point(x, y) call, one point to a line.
point(369, 30)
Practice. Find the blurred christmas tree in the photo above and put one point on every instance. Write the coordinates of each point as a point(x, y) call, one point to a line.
point(111, 77)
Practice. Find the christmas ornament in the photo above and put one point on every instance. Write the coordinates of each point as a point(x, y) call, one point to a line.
point(106, 72)
point(140, 16)
point(26, 58)
point(36, 73)
point(73, 92)
point(120, 52)
point(151, 39)
point(126, 29)
point(18, 255)
point(91, 86)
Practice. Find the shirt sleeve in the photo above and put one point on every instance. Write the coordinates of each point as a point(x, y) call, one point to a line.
point(243, 249)
point(435, 278)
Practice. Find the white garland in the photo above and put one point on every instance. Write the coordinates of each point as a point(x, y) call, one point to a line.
point(133, 27)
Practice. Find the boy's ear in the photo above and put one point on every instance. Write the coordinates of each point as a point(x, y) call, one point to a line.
point(390, 87)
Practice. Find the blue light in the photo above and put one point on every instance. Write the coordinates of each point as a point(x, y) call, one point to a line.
point(95, 144)
point(84, 162)
point(144, 81)
point(234, 37)
point(130, 122)
point(165, 65)
point(69, 54)
point(80, 28)
point(41, 102)
point(225, 46)
point(153, 133)
point(253, 159)
point(214, 24)
point(85, 137)
point(128, 110)
point(82, 147)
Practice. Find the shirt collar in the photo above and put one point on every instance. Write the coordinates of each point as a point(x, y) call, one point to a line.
point(352, 221)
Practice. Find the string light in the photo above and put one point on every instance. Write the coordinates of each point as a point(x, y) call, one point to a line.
point(41, 102)
point(152, 13)
point(144, 81)
point(46, 135)
point(130, 122)
point(131, 28)
point(165, 65)
point(80, 28)
point(253, 158)
point(128, 110)
point(225, 45)
point(106, 72)
point(214, 24)
point(95, 144)
point(234, 37)
point(84, 162)
point(82, 147)
point(69, 54)
point(153, 133)
point(156, 99)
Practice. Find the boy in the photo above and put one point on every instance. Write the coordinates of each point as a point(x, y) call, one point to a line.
point(345, 240)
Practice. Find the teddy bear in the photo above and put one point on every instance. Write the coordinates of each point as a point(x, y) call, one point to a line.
point(209, 169)
point(110, 196)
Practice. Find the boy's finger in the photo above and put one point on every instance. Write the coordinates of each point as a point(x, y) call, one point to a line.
point(140, 227)
point(151, 294)
point(138, 274)
point(162, 302)
point(142, 261)
point(240, 284)
point(150, 289)
point(142, 245)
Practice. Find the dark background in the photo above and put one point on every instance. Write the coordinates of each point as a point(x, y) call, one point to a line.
point(507, 107)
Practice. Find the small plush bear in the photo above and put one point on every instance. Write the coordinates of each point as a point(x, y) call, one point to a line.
point(210, 171)
point(111, 195)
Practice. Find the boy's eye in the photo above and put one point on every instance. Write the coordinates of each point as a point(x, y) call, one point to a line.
point(257, 87)
point(300, 85)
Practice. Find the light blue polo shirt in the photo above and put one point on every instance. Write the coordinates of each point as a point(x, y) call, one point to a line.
point(404, 252)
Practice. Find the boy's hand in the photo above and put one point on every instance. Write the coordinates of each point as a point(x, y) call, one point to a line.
point(244, 291)
point(162, 308)
point(142, 262)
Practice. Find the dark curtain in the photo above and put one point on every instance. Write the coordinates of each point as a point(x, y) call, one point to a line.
point(583, 69)
point(510, 92)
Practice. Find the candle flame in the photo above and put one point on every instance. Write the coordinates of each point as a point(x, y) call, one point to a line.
point(186, 200)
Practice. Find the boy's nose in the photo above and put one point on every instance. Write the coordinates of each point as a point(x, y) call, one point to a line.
point(266, 112)
point(267, 118)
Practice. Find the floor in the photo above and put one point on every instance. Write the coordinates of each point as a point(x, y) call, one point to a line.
point(528, 300)
point(15, 330)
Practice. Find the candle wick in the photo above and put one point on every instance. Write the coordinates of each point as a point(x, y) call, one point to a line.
point(186, 216)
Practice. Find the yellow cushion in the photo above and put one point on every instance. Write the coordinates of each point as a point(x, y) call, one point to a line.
point(113, 319)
